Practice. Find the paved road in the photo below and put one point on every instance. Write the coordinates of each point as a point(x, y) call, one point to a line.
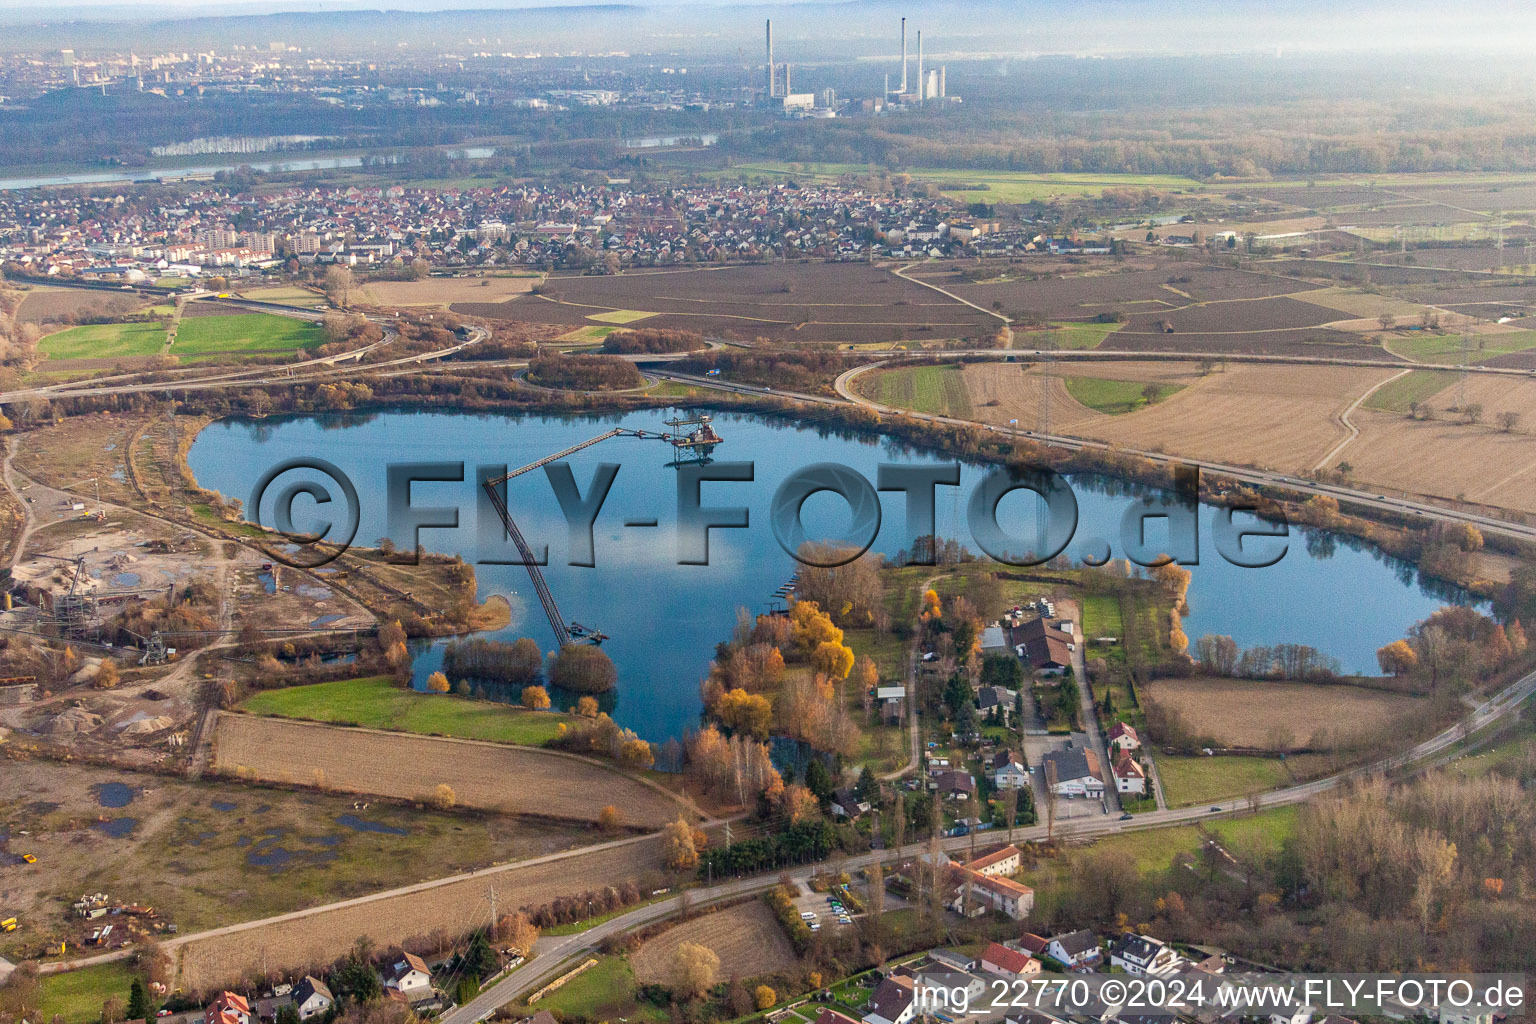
point(552, 958)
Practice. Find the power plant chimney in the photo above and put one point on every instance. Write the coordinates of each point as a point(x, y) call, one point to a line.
point(903, 56)
point(771, 93)
point(942, 91)
point(922, 83)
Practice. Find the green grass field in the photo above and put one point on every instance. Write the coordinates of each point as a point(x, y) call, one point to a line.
point(984, 186)
point(1117, 397)
point(77, 995)
point(939, 390)
point(1447, 348)
point(1398, 395)
point(203, 336)
point(1075, 335)
point(375, 702)
point(1198, 780)
point(104, 341)
point(602, 992)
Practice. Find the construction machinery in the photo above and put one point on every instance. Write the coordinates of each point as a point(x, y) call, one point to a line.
point(698, 442)
point(72, 608)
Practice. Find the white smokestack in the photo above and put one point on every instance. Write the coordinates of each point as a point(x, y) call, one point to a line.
point(922, 83)
point(770, 58)
point(943, 92)
point(903, 56)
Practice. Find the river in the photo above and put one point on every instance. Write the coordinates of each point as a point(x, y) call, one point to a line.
point(664, 619)
point(293, 162)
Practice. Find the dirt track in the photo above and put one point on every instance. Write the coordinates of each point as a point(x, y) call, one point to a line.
point(487, 776)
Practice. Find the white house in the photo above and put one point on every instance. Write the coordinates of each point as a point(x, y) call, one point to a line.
point(1129, 776)
point(312, 998)
point(1075, 949)
point(411, 977)
point(1008, 771)
point(1123, 737)
point(1143, 955)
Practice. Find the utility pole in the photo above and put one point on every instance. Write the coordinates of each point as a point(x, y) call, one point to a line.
point(491, 893)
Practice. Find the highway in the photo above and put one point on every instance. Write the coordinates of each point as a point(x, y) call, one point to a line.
point(557, 954)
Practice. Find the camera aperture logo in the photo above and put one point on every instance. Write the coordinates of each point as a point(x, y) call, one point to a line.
point(1250, 543)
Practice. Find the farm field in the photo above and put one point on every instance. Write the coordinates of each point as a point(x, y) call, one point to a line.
point(1448, 348)
point(604, 991)
point(1117, 397)
point(411, 767)
point(1000, 186)
point(845, 303)
point(746, 937)
point(444, 291)
point(1447, 458)
point(288, 295)
point(1069, 335)
point(939, 390)
point(377, 702)
point(1275, 715)
point(1200, 780)
point(202, 337)
point(42, 304)
point(77, 996)
point(105, 341)
point(212, 853)
point(1398, 395)
point(314, 939)
point(1281, 417)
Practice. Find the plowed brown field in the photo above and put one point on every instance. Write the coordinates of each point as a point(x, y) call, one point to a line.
point(746, 938)
point(488, 776)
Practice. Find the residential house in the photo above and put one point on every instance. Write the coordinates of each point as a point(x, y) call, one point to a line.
point(954, 785)
point(996, 700)
point(1075, 949)
point(312, 998)
point(228, 1008)
point(953, 959)
point(1044, 648)
point(1077, 772)
point(1034, 944)
point(1129, 776)
point(846, 804)
point(988, 892)
point(1123, 737)
point(1008, 771)
point(893, 1002)
point(998, 863)
point(1143, 955)
point(999, 959)
point(410, 977)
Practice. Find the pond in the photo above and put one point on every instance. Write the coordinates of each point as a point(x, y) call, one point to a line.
point(664, 619)
point(114, 794)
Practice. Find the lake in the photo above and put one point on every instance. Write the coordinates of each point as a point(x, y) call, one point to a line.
point(664, 619)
